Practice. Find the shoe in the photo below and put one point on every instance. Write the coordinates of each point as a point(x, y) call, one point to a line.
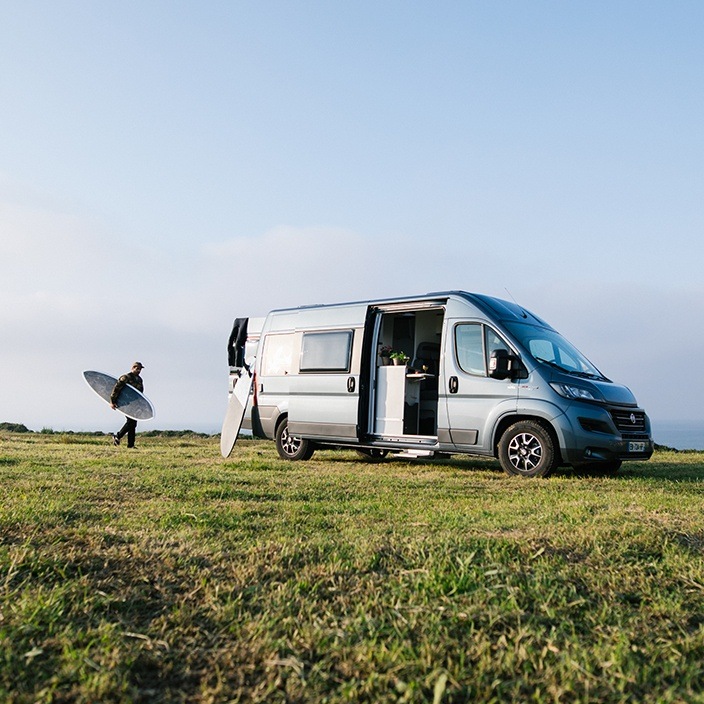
point(115, 439)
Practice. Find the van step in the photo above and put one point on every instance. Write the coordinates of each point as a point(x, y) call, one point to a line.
point(414, 454)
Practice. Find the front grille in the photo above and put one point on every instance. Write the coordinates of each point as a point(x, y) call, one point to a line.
point(629, 421)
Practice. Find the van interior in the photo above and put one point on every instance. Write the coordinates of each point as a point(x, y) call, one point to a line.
point(406, 396)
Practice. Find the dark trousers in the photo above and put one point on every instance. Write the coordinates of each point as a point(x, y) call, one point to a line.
point(129, 429)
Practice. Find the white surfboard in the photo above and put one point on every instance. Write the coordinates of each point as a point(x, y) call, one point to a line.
point(235, 412)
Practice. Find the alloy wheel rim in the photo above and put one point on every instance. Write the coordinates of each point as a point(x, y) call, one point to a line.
point(290, 443)
point(525, 452)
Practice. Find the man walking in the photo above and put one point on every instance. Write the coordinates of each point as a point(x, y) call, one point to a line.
point(132, 378)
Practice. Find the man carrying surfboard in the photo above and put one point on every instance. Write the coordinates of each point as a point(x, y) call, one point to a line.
point(134, 379)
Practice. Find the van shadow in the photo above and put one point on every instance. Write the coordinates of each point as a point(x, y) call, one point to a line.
point(459, 462)
point(690, 469)
point(670, 472)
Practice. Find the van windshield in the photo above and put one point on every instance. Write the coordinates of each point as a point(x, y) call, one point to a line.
point(549, 347)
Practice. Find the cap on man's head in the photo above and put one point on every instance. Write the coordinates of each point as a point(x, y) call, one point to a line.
point(138, 364)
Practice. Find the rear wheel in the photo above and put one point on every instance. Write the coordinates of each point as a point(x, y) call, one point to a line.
point(291, 447)
point(527, 449)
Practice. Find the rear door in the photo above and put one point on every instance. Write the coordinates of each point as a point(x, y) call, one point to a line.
point(473, 400)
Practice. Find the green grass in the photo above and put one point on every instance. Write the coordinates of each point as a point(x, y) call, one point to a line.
point(167, 574)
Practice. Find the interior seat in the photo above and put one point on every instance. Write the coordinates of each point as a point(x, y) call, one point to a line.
point(427, 355)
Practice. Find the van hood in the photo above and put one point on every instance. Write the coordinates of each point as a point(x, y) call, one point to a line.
point(615, 393)
point(610, 393)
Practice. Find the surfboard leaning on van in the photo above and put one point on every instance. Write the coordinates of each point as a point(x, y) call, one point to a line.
point(481, 376)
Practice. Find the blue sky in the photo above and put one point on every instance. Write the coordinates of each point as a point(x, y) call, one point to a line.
point(166, 167)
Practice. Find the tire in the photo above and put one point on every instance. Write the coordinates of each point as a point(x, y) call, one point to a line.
point(291, 447)
point(527, 449)
point(373, 454)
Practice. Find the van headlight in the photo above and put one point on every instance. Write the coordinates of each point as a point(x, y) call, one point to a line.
point(577, 392)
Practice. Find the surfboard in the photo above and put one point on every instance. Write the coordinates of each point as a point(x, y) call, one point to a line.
point(235, 412)
point(134, 404)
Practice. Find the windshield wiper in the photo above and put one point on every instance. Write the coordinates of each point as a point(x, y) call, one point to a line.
point(573, 372)
point(588, 375)
point(552, 364)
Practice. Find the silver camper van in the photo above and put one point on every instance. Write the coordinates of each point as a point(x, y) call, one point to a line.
point(450, 372)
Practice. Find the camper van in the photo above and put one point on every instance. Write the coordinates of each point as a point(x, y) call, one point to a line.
point(436, 374)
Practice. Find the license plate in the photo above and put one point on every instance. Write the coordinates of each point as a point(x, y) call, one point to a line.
point(636, 447)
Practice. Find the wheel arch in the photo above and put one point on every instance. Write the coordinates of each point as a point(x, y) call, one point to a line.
point(270, 415)
point(507, 421)
point(279, 420)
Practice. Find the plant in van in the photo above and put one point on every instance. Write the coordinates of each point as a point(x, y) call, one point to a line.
point(399, 357)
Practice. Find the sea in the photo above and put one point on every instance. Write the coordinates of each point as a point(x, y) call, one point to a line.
point(682, 434)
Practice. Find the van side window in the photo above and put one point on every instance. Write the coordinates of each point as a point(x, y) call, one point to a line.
point(277, 356)
point(326, 351)
point(471, 341)
point(470, 348)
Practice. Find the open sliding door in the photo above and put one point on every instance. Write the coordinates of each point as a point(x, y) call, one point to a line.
point(403, 399)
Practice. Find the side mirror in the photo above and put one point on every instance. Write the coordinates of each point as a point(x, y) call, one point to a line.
point(504, 365)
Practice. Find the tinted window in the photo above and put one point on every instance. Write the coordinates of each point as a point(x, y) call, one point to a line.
point(326, 351)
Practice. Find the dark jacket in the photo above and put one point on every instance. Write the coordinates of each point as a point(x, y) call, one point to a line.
point(130, 378)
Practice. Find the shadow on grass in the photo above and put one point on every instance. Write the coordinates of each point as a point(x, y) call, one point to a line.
point(655, 470)
point(659, 468)
point(665, 471)
point(463, 463)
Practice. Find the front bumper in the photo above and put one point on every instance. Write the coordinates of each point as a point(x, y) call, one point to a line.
point(606, 434)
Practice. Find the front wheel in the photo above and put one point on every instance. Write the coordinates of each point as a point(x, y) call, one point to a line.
point(291, 447)
point(527, 449)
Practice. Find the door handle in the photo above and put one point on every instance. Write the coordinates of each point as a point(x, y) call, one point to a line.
point(454, 384)
point(351, 384)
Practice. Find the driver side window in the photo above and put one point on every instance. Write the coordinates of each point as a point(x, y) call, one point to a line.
point(470, 348)
point(493, 343)
point(474, 343)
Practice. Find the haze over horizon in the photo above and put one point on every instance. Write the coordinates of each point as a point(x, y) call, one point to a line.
point(167, 168)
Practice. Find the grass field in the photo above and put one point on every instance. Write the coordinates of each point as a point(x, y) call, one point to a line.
point(167, 574)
